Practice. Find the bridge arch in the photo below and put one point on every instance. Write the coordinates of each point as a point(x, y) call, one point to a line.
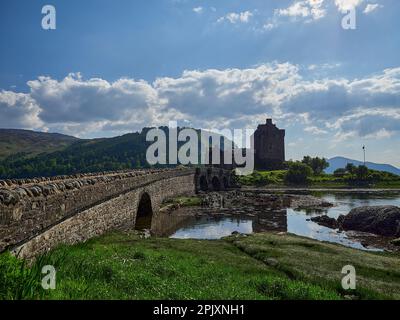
point(126, 198)
point(225, 182)
point(144, 212)
point(216, 183)
point(203, 183)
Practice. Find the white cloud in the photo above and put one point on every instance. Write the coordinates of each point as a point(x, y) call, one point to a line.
point(198, 10)
point(346, 5)
point(211, 98)
point(19, 110)
point(312, 9)
point(74, 99)
point(233, 17)
point(373, 123)
point(295, 10)
point(269, 26)
point(325, 66)
point(80, 106)
point(315, 130)
point(371, 7)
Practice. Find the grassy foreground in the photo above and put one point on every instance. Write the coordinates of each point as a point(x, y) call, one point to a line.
point(262, 266)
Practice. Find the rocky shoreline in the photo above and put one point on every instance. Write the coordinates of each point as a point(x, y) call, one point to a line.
point(378, 220)
point(269, 212)
point(379, 227)
point(259, 198)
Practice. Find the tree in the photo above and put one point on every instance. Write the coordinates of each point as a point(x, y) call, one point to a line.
point(340, 172)
point(351, 168)
point(298, 173)
point(362, 173)
point(318, 165)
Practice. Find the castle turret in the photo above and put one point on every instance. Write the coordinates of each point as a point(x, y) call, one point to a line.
point(269, 145)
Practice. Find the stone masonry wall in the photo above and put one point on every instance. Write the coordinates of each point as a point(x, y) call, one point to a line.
point(30, 207)
point(114, 213)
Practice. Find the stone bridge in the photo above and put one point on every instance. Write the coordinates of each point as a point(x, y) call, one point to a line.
point(39, 214)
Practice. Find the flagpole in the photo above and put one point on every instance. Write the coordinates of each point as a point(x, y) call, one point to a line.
point(364, 153)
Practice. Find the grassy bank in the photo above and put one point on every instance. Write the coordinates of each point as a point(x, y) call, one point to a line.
point(191, 201)
point(277, 179)
point(262, 266)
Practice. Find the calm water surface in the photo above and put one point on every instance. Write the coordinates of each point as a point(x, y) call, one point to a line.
point(290, 220)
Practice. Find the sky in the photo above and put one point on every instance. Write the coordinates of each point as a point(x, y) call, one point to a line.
point(113, 67)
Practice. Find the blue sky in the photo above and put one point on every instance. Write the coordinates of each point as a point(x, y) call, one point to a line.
point(112, 67)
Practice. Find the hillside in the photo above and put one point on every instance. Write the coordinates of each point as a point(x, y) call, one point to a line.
point(95, 155)
point(341, 162)
point(31, 143)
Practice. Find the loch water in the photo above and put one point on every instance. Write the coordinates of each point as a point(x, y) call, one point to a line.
point(296, 221)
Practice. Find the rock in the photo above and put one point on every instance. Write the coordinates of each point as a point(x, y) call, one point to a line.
point(395, 242)
point(308, 202)
point(36, 191)
point(271, 262)
point(145, 234)
point(326, 221)
point(237, 234)
point(350, 297)
point(381, 220)
point(8, 197)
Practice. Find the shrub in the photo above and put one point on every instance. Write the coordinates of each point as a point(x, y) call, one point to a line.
point(298, 173)
point(318, 165)
point(341, 172)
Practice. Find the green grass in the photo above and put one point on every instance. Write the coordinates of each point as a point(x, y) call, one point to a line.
point(263, 178)
point(303, 259)
point(124, 266)
point(184, 201)
point(277, 179)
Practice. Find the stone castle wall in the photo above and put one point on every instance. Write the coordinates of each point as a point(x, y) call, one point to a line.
point(90, 203)
point(269, 144)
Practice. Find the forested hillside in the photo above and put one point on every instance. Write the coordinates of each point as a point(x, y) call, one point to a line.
point(30, 143)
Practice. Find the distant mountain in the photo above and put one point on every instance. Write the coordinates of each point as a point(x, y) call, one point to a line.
point(341, 162)
point(31, 143)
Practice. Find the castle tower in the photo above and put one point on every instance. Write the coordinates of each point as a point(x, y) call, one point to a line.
point(269, 145)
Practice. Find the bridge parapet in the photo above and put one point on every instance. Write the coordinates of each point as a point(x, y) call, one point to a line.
point(28, 208)
point(38, 214)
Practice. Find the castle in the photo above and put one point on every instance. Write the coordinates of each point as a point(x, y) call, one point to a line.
point(269, 146)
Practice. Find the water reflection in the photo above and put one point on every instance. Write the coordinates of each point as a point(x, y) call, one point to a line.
point(300, 224)
point(165, 224)
point(214, 228)
point(218, 224)
point(274, 220)
point(184, 224)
